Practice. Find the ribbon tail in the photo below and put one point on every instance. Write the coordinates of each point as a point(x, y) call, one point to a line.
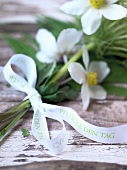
point(59, 143)
point(108, 135)
point(39, 126)
point(40, 131)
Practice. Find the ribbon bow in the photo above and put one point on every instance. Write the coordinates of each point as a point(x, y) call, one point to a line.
point(42, 111)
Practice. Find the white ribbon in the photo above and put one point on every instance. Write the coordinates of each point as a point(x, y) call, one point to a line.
point(42, 110)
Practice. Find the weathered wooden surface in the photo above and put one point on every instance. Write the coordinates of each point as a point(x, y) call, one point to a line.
point(67, 165)
point(18, 150)
point(13, 11)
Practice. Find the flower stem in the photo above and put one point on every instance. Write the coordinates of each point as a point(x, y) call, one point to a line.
point(24, 104)
point(7, 114)
point(13, 122)
point(64, 69)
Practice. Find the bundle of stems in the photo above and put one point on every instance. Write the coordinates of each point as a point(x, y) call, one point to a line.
point(109, 43)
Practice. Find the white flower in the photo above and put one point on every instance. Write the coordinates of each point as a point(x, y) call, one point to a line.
point(95, 73)
point(2, 79)
point(91, 12)
point(50, 49)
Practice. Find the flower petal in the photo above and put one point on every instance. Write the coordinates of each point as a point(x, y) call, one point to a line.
point(77, 72)
point(85, 57)
point(67, 39)
point(85, 96)
point(75, 7)
point(43, 58)
point(2, 79)
point(47, 42)
point(97, 92)
point(91, 21)
point(101, 68)
point(114, 12)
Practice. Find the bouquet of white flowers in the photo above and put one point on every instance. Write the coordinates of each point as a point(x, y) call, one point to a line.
point(65, 59)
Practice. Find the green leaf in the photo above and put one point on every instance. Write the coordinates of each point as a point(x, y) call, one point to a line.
point(25, 132)
point(70, 93)
point(56, 97)
point(44, 71)
point(48, 89)
point(55, 25)
point(20, 46)
point(63, 93)
point(75, 85)
point(31, 40)
point(115, 90)
point(118, 74)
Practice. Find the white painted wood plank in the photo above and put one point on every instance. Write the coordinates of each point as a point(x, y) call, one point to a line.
point(24, 11)
point(16, 149)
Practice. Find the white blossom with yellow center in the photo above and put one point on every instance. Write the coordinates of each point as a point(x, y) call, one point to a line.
point(94, 73)
point(91, 12)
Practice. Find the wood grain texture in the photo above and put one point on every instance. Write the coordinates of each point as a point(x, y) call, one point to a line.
point(67, 165)
point(13, 11)
point(17, 150)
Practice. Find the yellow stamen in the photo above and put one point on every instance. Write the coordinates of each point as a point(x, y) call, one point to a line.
point(97, 3)
point(92, 78)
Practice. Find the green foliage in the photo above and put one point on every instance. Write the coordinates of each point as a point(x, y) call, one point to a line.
point(123, 3)
point(118, 74)
point(55, 25)
point(25, 132)
point(55, 93)
point(45, 70)
point(110, 40)
point(9, 123)
point(22, 46)
point(75, 85)
point(31, 41)
point(61, 94)
point(48, 89)
point(115, 90)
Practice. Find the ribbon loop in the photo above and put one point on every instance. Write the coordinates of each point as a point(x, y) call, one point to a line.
point(26, 64)
point(39, 123)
